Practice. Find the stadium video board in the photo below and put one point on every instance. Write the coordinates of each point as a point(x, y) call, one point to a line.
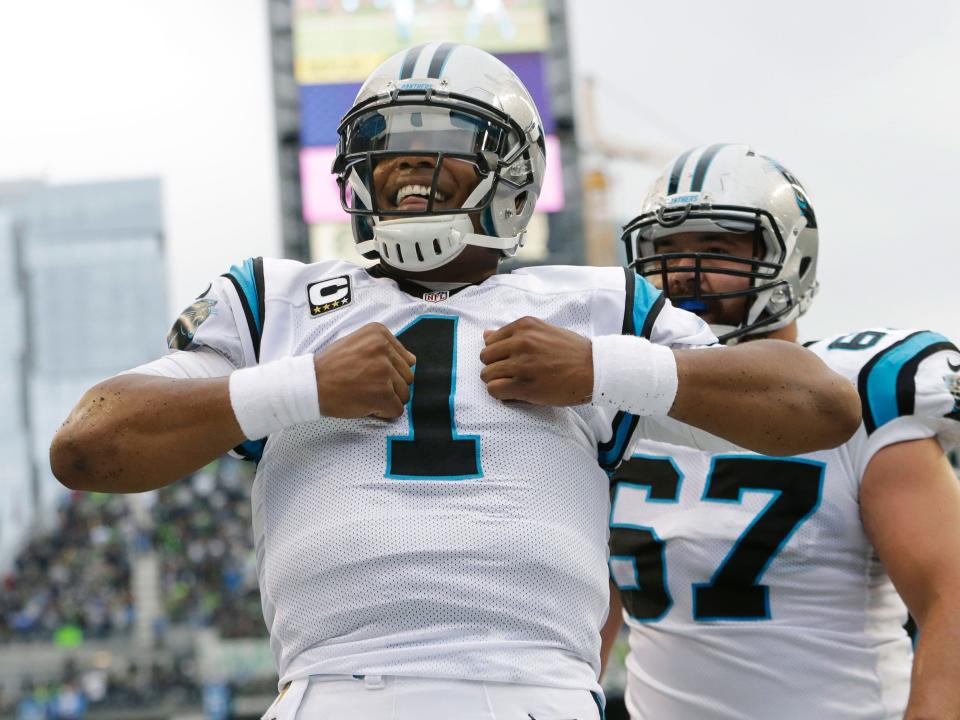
point(342, 42)
point(338, 43)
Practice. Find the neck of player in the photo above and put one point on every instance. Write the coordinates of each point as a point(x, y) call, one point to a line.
point(788, 333)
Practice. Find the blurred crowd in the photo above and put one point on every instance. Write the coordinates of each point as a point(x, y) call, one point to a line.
point(75, 694)
point(163, 687)
point(73, 582)
point(202, 532)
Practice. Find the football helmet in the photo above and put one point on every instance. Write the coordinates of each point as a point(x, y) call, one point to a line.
point(440, 102)
point(731, 188)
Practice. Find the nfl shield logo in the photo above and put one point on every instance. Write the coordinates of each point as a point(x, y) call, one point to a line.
point(436, 296)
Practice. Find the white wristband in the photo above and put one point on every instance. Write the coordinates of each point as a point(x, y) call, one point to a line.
point(269, 397)
point(632, 374)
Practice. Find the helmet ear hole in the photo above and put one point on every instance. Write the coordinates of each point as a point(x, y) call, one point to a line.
point(520, 201)
point(804, 265)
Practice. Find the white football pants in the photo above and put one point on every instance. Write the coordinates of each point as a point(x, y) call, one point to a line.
point(400, 698)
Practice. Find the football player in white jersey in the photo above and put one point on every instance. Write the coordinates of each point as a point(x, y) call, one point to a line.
point(759, 587)
point(430, 503)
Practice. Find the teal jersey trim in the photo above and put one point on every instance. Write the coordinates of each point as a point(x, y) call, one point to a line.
point(244, 275)
point(887, 383)
point(642, 306)
point(251, 450)
point(247, 280)
point(647, 302)
point(623, 427)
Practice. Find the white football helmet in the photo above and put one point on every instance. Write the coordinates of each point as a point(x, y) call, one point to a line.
point(730, 188)
point(441, 101)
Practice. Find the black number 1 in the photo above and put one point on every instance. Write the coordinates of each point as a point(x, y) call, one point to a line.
point(432, 450)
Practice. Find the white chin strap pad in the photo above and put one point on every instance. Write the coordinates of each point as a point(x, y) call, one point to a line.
point(428, 242)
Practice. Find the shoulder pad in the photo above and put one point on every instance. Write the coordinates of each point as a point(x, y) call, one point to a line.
point(898, 373)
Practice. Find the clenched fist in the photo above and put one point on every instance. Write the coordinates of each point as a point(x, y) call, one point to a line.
point(368, 372)
point(537, 362)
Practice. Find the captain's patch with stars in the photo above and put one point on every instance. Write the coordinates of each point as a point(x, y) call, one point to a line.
point(328, 295)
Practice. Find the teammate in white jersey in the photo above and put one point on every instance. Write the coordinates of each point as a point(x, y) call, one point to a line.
point(430, 503)
point(759, 587)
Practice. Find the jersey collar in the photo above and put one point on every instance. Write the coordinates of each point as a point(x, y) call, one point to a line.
point(419, 289)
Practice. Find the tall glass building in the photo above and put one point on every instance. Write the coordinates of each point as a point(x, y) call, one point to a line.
point(82, 297)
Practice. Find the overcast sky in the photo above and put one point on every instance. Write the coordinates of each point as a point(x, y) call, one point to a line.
point(858, 98)
point(861, 100)
point(176, 89)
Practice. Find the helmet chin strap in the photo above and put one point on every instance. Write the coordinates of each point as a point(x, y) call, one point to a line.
point(425, 242)
point(722, 331)
point(504, 244)
point(452, 232)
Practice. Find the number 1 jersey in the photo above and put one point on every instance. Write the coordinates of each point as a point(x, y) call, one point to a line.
point(465, 539)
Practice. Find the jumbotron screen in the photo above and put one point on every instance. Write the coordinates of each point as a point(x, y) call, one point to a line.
point(337, 44)
point(342, 42)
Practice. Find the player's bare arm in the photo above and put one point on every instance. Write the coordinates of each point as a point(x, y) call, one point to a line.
point(134, 432)
point(769, 396)
point(910, 503)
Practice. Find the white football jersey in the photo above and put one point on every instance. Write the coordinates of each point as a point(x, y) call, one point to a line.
point(465, 539)
point(749, 585)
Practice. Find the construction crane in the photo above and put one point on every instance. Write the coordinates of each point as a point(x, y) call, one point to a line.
point(595, 145)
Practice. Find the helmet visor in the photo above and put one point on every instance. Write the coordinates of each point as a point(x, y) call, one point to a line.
point(412, 160)
point(423, 129)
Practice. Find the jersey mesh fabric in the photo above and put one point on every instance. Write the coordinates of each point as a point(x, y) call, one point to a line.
point(500, 577)
point(496, 575)
point(833, 615)
point(833, 645)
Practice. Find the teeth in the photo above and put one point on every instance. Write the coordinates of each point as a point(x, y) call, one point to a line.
point(421, 190)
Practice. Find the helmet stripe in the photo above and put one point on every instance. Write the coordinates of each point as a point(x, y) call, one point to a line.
point(409, 60)
point(703, 164)
point(440, 58)
point(677, 172)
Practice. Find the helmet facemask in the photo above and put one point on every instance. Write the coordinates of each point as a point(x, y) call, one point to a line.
point(769, 298)
point(413, 225)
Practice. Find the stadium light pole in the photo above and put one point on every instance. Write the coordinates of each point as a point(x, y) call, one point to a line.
point(26, 362)
point(294, 235)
